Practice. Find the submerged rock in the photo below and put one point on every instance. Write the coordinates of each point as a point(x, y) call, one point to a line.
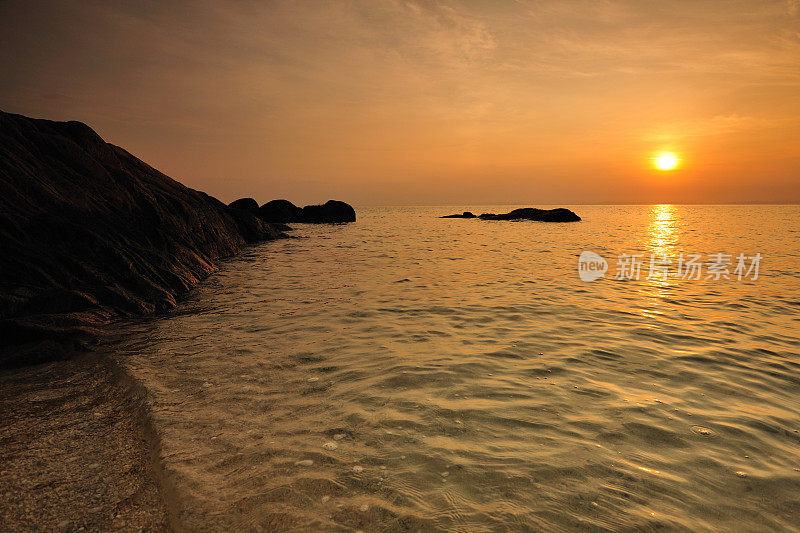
point(540, 215)
point(465, 214)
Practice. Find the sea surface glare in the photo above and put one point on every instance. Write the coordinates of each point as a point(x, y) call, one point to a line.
point(407, 372)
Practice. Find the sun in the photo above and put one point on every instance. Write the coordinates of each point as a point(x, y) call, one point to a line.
point(666, 161)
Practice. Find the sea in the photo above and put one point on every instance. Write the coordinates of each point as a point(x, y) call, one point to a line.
point(637, 370)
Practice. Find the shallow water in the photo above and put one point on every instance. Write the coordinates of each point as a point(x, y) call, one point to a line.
point(470, 381)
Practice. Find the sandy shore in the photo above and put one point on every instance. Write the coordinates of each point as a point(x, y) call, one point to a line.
point(73, 452)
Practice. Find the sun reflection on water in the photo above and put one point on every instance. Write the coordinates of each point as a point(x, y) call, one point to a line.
point(663, 230)
point(661, 249)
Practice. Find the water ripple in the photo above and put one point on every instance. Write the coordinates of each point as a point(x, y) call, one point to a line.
point(405, 373)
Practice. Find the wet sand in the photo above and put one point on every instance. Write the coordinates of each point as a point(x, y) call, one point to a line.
point(73, 451)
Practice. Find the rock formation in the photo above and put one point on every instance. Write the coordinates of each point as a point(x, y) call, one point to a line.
point(526, 213)
point(332, 211)
point(530, 213)
point(465, 214)
point(90, 233)
point(245, 204)
point(280, 211)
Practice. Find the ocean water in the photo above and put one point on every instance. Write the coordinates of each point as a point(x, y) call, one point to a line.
point(411, 373)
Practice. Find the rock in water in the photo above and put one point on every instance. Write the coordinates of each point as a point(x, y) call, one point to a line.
point(540, 215)
point(284, 211)
point(280, 211)
point(245, 204)
point(90, 233)
point(465, 214)
point(330, 212)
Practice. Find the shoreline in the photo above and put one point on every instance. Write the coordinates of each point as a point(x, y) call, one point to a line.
point(78, 450)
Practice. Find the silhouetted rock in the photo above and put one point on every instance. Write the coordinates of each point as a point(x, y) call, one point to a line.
point(245, 204)
point(330, 212)
point(285, 211)
point(541, 215)
point(465, 214)
point(89, 233)
point(280, 211)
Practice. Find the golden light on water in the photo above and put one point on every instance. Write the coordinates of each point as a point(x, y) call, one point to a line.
point(663, 230)
point(666, 161)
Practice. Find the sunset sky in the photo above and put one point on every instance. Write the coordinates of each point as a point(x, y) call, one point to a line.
point(420, 102)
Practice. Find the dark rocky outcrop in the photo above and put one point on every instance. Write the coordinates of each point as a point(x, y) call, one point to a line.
point(245, 204)
point(280, 211)
point(332, 211)
point(465, 214)
point(540, 215)
point(89, 233)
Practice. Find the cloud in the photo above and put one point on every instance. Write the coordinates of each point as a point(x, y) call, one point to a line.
point(359, 91)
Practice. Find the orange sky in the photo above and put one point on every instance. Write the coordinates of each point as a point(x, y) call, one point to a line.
point(421, 102)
